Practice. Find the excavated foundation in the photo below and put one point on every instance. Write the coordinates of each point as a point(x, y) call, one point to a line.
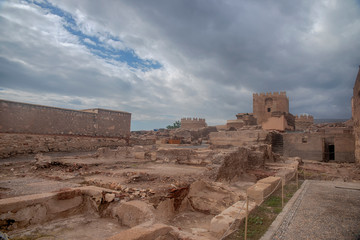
point(133, 193)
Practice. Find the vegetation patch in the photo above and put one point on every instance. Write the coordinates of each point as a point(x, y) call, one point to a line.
point(261, 218)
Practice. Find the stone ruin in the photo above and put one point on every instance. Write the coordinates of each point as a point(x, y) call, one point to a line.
point(145, 189)
point(193, 123)
point(147, 186)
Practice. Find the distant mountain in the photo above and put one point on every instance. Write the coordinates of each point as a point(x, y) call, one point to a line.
point(317, 121)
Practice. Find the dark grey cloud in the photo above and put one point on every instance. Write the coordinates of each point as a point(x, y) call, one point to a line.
point(214, 55)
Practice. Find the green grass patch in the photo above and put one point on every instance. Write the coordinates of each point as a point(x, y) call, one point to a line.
point(261, 218)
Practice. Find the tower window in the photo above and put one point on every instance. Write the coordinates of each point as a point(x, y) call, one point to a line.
point(269, 109)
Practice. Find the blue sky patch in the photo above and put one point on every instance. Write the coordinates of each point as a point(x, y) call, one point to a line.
point(97, 47)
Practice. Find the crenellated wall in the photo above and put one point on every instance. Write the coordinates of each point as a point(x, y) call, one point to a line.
point(193, 123)
point(302, 122)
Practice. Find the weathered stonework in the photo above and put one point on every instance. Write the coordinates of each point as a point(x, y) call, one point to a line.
point(265, 104)
point(18, 117)
point(356, 116)
point(15, 143)
point(27, 128)
point(193, 123)
point(315, 146)
point(302, 122)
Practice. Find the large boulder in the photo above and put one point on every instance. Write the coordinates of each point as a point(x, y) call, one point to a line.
point(156, 231)
point(210, 198)
point(133, 213)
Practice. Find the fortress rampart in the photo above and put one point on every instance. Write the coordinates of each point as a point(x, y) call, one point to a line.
point(302, 122)
point(30, 128)
point(193, 123)
point(18, 117)
point(304, 118)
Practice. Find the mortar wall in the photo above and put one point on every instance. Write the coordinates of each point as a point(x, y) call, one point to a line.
point(311, 145)
point(18, 117)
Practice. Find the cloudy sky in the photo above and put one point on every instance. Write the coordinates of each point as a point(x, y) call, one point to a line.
point(162, 60)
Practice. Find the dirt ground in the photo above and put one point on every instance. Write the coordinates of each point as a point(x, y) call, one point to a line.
point(23, 175)
point(136, 179)
point(330, 171)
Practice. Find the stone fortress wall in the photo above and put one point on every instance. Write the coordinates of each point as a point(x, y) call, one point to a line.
point(264, 104)
point(355, 102)
point(193, 123)
point(18, 117)
point(29, 128)
point(302, 122)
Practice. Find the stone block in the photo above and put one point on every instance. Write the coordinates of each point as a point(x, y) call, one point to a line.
point(133, 213)
point(287, 174)
point(258, 192)
point(210, 198)
point(156, 231)
point(273, 181)
point(236, 212)
point(139, 155)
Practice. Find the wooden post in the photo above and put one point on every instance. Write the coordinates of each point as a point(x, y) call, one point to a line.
point(297, 179)
point(282, 192)
point(246, 216)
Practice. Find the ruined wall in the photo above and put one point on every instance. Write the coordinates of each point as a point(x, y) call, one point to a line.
point(15, 143)
point(18, 117)
point(302, 122)
point(275, 123)
point(248, 118)
point(356, 116)
point(238, 138)
point(236, 124)
point(265, 104)
point(193, 123)
point(311, 146)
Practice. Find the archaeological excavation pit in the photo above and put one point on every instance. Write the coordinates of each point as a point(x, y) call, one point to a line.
point(132, 192)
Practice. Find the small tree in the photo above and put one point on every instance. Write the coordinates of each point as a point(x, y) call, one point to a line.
point(176, 124)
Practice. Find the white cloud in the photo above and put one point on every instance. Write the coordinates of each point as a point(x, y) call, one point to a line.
point(214, 55)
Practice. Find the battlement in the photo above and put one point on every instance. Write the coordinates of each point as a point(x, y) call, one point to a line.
point(202, 120)
point(304, 117)
point(193, 123)
point(270, 94)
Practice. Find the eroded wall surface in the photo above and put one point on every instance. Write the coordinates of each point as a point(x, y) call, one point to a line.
point(12, 144)
point(302, 122)
point(311, 146)
point(193, 123)
point(238, 138)
point(265, 104)
point(18, 117)
point(27, 128)
point(356, 116)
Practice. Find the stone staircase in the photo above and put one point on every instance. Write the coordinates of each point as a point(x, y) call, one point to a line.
point(277, 143)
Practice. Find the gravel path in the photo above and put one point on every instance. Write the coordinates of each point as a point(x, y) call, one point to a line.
point(322, 210)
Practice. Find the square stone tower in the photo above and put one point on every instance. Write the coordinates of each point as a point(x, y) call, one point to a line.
point(266, 104)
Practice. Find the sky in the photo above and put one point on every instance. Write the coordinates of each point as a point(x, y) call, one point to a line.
point(163, 60)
